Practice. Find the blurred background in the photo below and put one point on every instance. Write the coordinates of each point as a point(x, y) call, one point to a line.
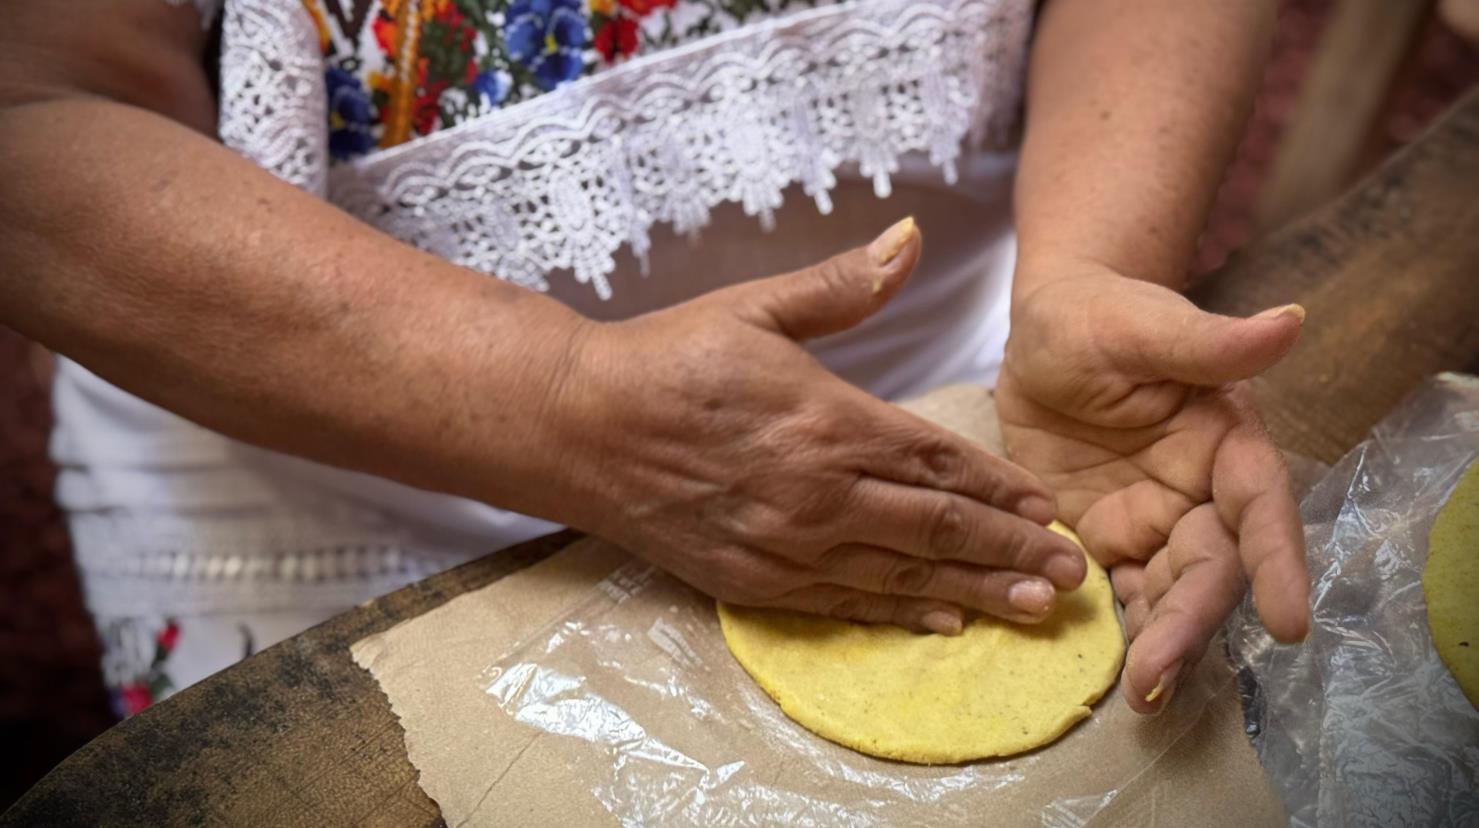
point(1350, 81)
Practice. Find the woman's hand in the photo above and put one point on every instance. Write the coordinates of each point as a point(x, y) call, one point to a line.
point(1131, 404)
point(705, 439)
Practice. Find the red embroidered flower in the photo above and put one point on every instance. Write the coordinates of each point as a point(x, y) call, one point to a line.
point(425, 110)
point(642, 8)
point(134, 697)
point(617, 37)
point(384, 27)
point(458, 34)
point(168, 636)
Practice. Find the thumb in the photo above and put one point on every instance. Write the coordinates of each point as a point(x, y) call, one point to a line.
point(1201, 348)
point(838, 293)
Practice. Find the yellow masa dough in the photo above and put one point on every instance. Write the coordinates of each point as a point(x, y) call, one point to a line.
point(1451, 583)
point(994, 690)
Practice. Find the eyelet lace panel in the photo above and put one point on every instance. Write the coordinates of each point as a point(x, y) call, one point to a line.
point(136, 563)
point(274, 106)
point(563, 181)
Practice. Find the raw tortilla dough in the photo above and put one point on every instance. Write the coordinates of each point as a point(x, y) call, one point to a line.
point(1451, 583)
point(995, 690)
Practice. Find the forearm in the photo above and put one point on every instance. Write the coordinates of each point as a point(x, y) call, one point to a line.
point(1133, 110)
point(184, 274)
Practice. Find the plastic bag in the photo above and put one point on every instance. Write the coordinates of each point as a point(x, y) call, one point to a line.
point(1362, 724)
point(675, 733)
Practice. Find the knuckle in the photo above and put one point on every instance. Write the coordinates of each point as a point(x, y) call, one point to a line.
point(818, 509)
point(851, 607)
point(771, 583)
point(761, 523)
point(817, 426)
point(985, 591)
point(800, 528)
point(832, 275)
point(942, 463)
point(1173, 614)
point(805, 440)
point(949, 531)
point(833, 559)
point(1136, 612)
point(1015, 550)
point(908, 577)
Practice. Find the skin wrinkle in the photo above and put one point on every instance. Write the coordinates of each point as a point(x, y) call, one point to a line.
point(1138, 459)
point(1115, 536)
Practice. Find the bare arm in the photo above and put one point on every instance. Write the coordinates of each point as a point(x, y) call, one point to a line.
point(1134, 109)
point(133, 242)
point(1125, 397)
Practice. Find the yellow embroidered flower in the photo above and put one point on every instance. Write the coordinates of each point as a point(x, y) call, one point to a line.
point(378, 82)
point(605, 7)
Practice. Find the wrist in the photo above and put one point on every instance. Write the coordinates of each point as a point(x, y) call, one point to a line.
point(510, 440)
point(1039, 269)
point(1039, 264)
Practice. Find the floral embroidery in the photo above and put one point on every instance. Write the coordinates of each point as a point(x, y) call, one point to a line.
point(137, 695)
point(616, 38)
point(399, 69)
point(141, 666)
point(548, 37)
point(350, 126)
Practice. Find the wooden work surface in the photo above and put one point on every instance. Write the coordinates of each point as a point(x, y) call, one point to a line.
point(299, 735)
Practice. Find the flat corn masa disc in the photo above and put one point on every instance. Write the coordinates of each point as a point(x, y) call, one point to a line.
point(996, 689)
point(1451, 583)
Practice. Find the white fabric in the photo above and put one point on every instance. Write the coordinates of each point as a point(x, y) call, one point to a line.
point(561, 182)
point(826, 126)
point(273, 98)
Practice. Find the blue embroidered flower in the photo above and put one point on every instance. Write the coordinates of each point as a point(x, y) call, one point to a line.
point(493, 86)
point(547, 36)
point(350, 131)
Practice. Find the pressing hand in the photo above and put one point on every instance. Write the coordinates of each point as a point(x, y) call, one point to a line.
point(707, 440)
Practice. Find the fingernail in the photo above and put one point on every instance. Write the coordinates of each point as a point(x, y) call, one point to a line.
point(1036, 508)
point(887, 246)
point(1296, 311)
point(1031, 596)
point(942, 622)
point(1166, 686)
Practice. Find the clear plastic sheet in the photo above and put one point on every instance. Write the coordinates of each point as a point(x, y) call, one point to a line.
point(1362, 724)
point(671, 731)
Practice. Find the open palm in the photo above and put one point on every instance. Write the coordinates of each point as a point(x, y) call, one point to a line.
point(1132, 405)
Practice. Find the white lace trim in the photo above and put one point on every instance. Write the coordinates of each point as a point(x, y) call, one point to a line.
point(274, 106)
point(561, 182)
